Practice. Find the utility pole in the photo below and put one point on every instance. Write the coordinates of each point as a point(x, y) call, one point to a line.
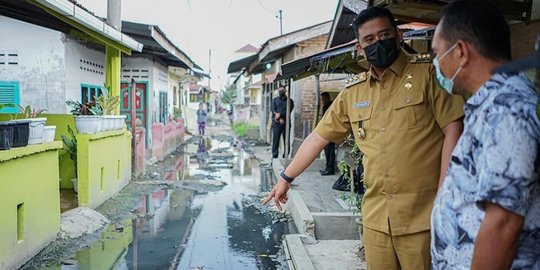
point(280, 17)
point(209, 66)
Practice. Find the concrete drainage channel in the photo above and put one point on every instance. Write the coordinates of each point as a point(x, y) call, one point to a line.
point(328, 231)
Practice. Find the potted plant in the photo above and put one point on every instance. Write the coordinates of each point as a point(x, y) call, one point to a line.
point(109, 105)
point(87, 116)
point(36, 123)
point(356, 181)
point(71, 148)
point(177, 112)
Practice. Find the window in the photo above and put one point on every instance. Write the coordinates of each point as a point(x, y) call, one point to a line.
point(9, 94)
point(175, 96)
point(195, 98)
point(89, 93)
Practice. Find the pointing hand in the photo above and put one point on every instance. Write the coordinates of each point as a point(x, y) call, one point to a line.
point(279, 193)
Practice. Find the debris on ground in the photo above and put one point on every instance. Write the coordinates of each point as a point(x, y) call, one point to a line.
point(255, 201)
point(81, 221)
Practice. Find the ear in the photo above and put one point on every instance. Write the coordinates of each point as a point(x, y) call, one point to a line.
point(359, 48)
point(463, 50)
point(399, 35)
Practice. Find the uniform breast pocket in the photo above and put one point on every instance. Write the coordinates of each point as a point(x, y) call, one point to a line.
point(360, 122)
point(410, 110)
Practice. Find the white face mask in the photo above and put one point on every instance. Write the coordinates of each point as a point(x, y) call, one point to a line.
point(446, 83)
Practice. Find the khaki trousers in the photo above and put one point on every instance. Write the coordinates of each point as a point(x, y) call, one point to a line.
point(387, 252)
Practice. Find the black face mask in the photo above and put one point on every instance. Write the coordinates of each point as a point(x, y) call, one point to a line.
point(282, 94)
point(382, 53)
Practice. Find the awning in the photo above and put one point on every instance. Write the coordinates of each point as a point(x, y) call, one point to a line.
point(341, 59)
point(65, 16)
point(157, 44)
point(241, 64)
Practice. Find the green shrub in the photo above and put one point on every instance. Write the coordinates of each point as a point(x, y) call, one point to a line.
point(240, 129)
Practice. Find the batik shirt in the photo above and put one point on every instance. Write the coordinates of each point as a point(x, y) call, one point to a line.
point(495, 161)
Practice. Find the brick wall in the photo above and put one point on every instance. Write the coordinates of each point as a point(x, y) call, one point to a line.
point(305, 99)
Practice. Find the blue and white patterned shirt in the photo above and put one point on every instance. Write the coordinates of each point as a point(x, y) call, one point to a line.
point(496, 160)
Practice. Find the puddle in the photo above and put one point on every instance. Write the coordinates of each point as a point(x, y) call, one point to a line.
point(179, 228)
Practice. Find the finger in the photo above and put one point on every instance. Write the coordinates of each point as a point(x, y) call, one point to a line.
point(276, 202)
point(283, 200)
point(268, 198)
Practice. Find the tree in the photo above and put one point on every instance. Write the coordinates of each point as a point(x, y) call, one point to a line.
point(229, 95)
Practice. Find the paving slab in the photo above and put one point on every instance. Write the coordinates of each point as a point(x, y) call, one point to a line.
point(336, 255)
point(304, 252)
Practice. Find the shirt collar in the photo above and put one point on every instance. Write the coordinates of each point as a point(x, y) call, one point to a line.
point(397, 67)
point(495, 82)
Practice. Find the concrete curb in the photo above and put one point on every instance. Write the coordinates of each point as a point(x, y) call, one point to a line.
point(299, 211)
point(335, 226)
point(294, 249)
point(303, 219)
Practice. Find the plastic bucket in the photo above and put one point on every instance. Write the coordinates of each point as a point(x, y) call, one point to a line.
point(6, 135)
point(49, 134)
point(21, 133)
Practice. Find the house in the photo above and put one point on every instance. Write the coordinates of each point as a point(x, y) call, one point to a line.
point(341, 60)
point(50, 52)
point(159, 70)
point(160, 73)
point(268, 63)
point(236, 78)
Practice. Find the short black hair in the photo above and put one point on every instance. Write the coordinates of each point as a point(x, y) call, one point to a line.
point(325, 94)
point(480, 23)
point(371, 13)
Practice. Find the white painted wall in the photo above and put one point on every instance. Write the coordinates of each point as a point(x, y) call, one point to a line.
point(174, 82)
point(160, 84)
point(84, 65)
point(41, 69)
point(51, 66)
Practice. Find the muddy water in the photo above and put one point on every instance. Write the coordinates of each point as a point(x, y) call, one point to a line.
point(188, 226)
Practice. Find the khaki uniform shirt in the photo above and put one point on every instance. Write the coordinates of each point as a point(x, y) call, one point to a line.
point(401, 115)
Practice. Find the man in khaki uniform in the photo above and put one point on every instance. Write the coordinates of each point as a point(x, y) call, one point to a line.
point(407, 127)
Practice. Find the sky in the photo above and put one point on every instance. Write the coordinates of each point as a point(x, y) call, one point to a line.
point(223, 26)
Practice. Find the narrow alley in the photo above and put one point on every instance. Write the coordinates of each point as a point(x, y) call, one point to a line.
point(198, 209)
point(269, 134)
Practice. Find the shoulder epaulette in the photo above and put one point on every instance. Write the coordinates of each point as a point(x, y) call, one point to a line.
point(420, 58)
point(356, 79)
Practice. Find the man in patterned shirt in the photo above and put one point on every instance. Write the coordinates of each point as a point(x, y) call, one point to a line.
point(487, 212)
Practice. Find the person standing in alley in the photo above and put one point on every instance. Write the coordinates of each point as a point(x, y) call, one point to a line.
point(406, 127)
point(330, 149)
point(230, 113)
point(202, 117)
point(279, 120)
point(487, 212)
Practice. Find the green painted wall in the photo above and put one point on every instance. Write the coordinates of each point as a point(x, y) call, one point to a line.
point(67, 166)
point(104, 165)
point(29, 203)
point(113, 71)
point(61, 121)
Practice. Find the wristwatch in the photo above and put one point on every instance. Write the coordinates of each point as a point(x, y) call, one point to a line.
point(285, 177)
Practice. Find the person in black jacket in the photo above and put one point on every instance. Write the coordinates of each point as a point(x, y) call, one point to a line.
point(330, 149)
point(279, 116)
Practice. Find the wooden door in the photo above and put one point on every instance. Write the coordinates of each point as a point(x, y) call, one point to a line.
point(141, 111)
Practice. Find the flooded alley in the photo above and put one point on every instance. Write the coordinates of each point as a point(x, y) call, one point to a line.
point(198, 209)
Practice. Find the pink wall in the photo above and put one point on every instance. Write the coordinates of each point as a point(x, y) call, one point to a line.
point(139, 151)
point(166, 138)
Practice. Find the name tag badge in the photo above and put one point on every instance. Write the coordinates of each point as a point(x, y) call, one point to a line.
point(362, 104)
